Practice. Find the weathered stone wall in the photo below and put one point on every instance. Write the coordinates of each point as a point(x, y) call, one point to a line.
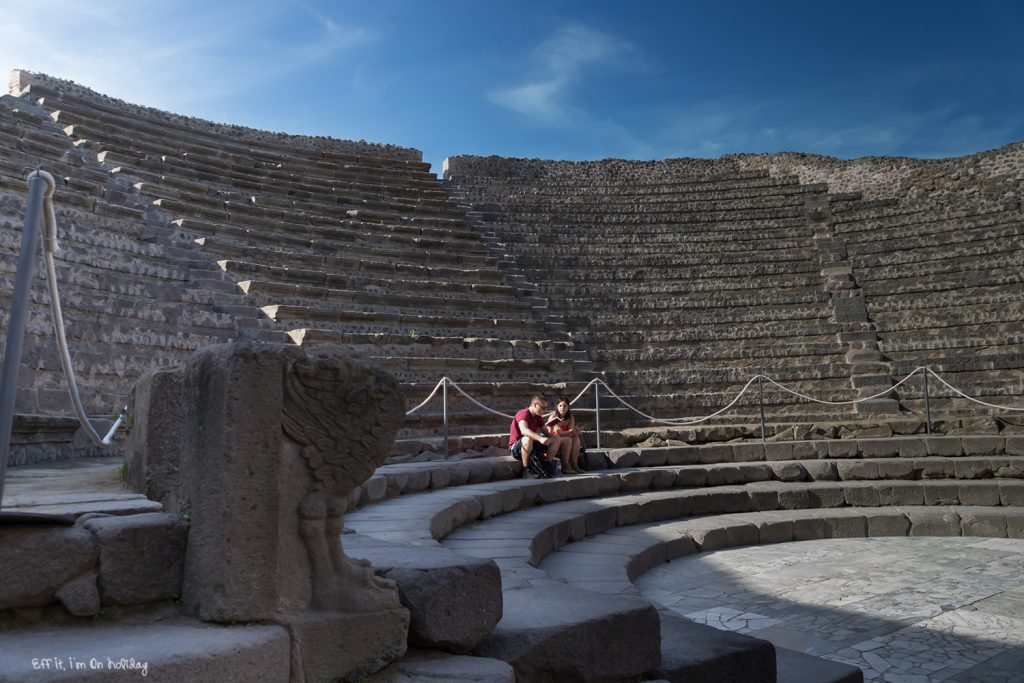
point(20, 80)
point(992, 176)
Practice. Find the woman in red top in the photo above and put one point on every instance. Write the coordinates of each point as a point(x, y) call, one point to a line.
point(562, 424)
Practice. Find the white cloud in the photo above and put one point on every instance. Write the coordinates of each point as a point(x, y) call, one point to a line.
point(186, 56)
point(559, 65)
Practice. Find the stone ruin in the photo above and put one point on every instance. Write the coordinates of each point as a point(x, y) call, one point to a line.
point(216, 269)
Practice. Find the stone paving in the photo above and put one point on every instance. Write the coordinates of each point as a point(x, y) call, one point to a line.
point(904, 610)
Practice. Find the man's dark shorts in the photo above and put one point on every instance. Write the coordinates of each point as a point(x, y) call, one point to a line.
point(539, 450)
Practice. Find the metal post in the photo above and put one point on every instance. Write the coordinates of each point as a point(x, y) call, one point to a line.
point(927, 405)
point(597, 413)
point(444, 403)
point(18, 319)
point(760, 399)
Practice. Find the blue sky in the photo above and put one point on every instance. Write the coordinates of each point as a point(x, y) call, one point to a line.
point(566, 80)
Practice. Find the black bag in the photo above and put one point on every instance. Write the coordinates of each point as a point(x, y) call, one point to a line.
point(540, 466)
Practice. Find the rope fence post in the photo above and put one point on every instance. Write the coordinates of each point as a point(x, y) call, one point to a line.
point(927, 405)
point(444, 412)
point(597, 414)
point(760, 400)
point(18, 319)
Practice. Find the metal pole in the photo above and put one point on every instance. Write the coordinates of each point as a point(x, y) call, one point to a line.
point(927, 405)
point(444, 403)
point(760, 399)
point(18, 319)
point(597, 413)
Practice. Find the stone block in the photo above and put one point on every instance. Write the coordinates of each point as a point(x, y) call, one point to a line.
point(653, 457)
point(680, 455)
point(797, 666)
point(808, 528)
point(612, 637)
point(779, 451)
point(945, 446)
point(678, 547)
point(935, 468)
point(895, 469)
point(843, 449)
point(142, 557)
point(740, 533)
point(879, 448)
point(931, 522)
point(792, 471)
point(913, 448)
point(661, 480)
point(347, 646)
point(983, 445)
point(900, 493)
point(719, 501)
point(81, 596)
point(454, 602)
point(941, 493)
point(692, 652)
point(1015, 445)
point(844, 524)
point(432, 667)
point(978, 493)
point(722, 475)
point(181, 651)
point(795, 499)
point(748, 452)
point(623, 457)
point(658, 509)
point(805, 450)
point(691, 476)
point(715, 453)
point(36, 561)
point(272, 440)
point(1011, 493)
point(821, 470)
point(826, 496)
point(882, 522)
point(1014, 523)
point(857, 469)
point(991, 524)
point(634, 481)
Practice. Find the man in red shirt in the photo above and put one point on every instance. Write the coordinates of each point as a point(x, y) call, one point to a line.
point(526, 434)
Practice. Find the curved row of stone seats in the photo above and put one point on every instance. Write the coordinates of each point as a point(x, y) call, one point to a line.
point(720, 267)
point(128, 305)
point(367, 236)
point(526, 521)
point(939, 290)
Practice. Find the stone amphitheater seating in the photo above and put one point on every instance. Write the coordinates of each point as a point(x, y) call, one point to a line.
point(275, 238)
point(503, 568)
point(674, 281)
point(684, 278)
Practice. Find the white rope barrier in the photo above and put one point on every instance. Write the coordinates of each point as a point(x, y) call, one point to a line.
point(682, 421)
point(427, 399)
point(49, 230)
point(969, 398)
point(845, 403)
point(490, 410)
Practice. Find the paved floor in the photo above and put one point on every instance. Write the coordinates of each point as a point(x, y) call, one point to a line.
point(905, 610)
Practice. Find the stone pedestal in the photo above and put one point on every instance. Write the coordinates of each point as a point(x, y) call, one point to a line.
point(258, 447)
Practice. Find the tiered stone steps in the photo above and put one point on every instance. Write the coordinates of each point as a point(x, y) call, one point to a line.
point(599, 531)
point(129, 305)
point(327, 238)
point(940, 291)
point(714, 273)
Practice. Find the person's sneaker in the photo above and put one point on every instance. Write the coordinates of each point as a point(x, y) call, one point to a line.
point(527, 474)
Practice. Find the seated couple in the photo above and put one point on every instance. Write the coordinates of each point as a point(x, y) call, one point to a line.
point(545, 437)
